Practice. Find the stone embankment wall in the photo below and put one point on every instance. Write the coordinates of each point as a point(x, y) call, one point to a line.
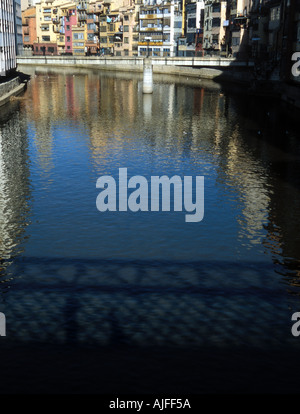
point(6, 87)
point(205, 68)
point(9, 88)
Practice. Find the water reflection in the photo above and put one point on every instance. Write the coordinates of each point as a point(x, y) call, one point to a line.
point(14, 186)
point(195, 128)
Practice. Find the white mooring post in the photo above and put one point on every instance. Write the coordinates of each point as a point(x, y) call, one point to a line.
point(147, 76)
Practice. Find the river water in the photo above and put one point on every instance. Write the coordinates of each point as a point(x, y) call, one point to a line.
point(75, 277)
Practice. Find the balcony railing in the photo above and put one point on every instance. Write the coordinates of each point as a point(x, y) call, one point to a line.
point(82, 16)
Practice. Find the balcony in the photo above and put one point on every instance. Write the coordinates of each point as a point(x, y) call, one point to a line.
point(155, 16)
point(82, 16)
point(82, 6)
point(151, 29)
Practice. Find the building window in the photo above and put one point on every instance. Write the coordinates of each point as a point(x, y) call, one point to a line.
point(126, 52)
point(118, 53)
point(126, 39)
point(51, 49)
point(68, 38)
point(126, 28)
point(192, 23)
point(216, 22)
point(275, 13)
point(126, 18)
point(235, 41)
point(46, 38)
point(68, 47)
point(216, 8)
point(78, 36)
point(68, 27)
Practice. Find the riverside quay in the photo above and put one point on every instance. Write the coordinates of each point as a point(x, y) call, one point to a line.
point(150, 200)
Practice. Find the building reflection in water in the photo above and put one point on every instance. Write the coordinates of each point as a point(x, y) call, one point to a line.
point(14, 186)
point(193, 119)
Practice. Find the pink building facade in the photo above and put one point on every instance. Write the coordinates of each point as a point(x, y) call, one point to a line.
point(69, 21)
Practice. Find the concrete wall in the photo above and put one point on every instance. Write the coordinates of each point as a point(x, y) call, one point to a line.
point(207, 68)
point(214, 62)
point(8, 86)
point(9, 89)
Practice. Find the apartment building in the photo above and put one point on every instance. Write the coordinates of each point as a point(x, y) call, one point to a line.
point(160, 26)
point(191, 41)
point(18, 26)
point(29, 28)
point(239, 14)
point(126, 44)
point(7, 37)
point(215, 12)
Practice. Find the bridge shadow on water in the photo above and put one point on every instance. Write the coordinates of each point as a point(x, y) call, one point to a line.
point(113, 326)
